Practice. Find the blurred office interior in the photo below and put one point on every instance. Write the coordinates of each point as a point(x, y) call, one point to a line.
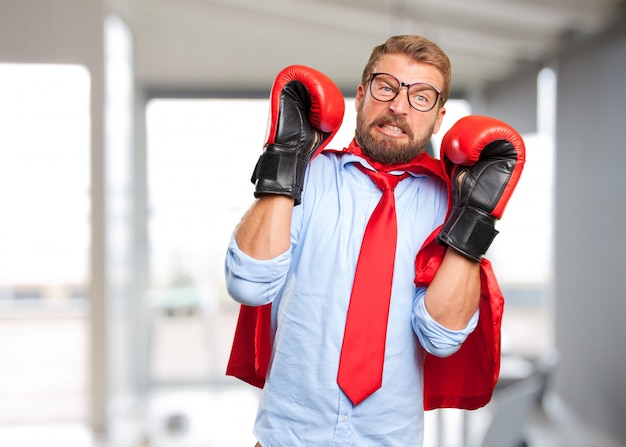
point(128, 132)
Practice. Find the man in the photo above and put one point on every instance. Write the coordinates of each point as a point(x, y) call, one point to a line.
point(302, 247)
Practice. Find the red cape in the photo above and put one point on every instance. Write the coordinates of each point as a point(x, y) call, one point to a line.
point(465, 379)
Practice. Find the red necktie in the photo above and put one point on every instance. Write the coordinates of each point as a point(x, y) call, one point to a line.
point(363, 349)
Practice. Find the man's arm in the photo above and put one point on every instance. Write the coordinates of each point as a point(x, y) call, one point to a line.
point(264, 231)
point(454, 294)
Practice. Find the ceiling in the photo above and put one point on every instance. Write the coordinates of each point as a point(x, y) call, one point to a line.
point(225, 46)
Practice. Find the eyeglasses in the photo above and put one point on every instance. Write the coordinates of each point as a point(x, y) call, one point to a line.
point(385, 87)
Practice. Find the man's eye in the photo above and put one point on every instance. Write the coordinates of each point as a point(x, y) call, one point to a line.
point(424, 97)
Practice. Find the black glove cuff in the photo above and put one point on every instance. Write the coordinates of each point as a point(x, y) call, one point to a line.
point(279, 172)
point(470, 231)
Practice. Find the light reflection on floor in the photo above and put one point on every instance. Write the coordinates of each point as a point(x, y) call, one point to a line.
point(44, 388)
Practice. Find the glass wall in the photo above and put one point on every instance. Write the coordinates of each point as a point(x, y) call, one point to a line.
point(200, 155)
point(44, 240)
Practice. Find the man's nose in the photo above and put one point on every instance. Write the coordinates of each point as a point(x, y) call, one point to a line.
point(400, 104)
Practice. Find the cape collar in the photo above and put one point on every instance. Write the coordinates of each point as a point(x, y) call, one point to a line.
point(422, 164)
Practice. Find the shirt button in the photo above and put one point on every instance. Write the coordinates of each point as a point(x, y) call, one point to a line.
point(344, 418)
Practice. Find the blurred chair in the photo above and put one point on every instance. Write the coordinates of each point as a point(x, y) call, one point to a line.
point(510, 410)
point(545, 367)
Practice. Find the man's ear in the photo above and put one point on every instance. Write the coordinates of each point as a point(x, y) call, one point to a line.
point(360, 93)
point(440, 115)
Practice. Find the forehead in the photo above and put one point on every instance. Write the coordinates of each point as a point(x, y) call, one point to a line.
point(409, 71)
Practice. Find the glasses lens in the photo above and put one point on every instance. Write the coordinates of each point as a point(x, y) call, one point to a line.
point(384, 87)
point(423, 97)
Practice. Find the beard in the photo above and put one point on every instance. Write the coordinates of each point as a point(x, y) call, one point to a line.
point(386, 150)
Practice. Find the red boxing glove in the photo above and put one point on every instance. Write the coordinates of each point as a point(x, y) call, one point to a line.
point(306, 110)
point(484, 158)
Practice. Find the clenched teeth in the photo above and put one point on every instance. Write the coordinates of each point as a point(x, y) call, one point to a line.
point(391, 128)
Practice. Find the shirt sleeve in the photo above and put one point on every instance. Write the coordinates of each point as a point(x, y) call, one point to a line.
point(251, 281)
point(435, 338)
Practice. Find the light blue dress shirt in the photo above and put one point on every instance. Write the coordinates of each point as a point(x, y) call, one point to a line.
point(309, 286)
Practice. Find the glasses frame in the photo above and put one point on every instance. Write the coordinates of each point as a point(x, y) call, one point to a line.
point(408, 86)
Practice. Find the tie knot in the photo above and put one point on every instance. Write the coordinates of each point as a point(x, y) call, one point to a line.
point(383, 180)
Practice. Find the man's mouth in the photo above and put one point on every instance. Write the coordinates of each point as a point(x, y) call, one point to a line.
point(391, 128)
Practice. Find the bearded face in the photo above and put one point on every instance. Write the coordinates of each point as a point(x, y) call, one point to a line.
point(387, 149)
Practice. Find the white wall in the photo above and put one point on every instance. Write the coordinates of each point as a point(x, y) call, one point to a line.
point(591, 230)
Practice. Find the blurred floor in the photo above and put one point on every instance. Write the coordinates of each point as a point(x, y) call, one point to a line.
point(43, 365)
point(44, 388)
